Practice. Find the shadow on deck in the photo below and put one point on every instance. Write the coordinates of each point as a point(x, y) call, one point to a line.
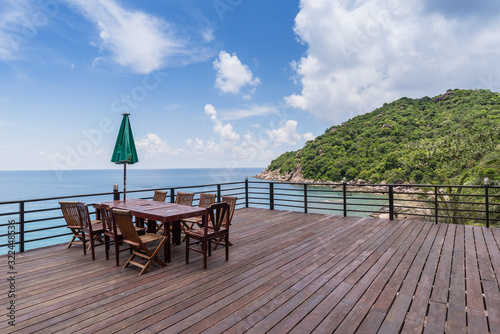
point(287, 272)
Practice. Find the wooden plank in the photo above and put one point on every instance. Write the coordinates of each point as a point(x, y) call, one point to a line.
point(457, 319)
point(476, 314)
point(394, 320)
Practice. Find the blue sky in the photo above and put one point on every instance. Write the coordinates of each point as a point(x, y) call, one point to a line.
point(221, 83)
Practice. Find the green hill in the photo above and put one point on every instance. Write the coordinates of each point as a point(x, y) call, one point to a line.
point(421, 140)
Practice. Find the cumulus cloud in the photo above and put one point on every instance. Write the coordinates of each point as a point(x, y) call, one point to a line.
point(225, 131)
point(248, 146)
point(232, 75)
point(153, 145)
point(362, 54)
point(136, 40)
point(287, 134)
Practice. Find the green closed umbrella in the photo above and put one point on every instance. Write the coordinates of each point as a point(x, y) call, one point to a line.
point(124, 152)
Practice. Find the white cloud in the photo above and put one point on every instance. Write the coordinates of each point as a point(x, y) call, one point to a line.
point(135, 39)
point(251, 111)
point(308, 136)
point(286, 134)
point(153, 145)
point(362, 54)
point(250, 147)
point(232, 75)
point(225, 131)
point(17, 27)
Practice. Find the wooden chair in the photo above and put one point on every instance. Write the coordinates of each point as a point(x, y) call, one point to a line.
point(184, 198)
point(112, 232)
point(217, 233)
point(205, 201)
point(94, 231)
point(231, 200)
point(160, 196)
point(70, 213)
point(139, 244)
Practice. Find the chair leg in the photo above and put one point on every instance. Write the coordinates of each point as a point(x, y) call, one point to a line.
point(154, 257)
point(92, 248)
point(83, 243)
point(106, 245)
point(204, 248)
point(187, 249)
point(117, 252)
point(227, 247)
point(71, 242)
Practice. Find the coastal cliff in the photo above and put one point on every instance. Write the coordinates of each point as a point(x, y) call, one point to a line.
point(407, 141)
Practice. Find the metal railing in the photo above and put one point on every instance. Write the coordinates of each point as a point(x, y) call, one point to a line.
point(40, 221)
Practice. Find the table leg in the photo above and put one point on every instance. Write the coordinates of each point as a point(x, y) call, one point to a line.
point(176, 232)
point(166, 246)
point(152, 226)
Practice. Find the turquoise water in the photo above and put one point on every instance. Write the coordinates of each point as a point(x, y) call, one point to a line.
point(28, 185)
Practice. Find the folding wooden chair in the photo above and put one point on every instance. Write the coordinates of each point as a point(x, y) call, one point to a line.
point(113, 233)
point(70, 213)
point(184, 198)
point(94, 230)
point(139, 244)
point(160, 196)
point(231, 200)
point(205, 201)
point(217, 232)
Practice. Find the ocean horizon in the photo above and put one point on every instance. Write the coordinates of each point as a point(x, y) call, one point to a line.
point(34, 184)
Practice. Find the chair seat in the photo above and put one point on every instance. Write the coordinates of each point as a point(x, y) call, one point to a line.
point(119, 233)
point(198, 232)
point(150, 237)
point(96, 228)
point(196, 220)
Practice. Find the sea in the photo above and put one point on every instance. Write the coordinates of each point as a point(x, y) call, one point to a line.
point(78, 184)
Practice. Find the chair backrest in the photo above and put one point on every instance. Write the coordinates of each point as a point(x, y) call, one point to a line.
point(83, 210)
point(160, 196)
point(107, 219)
point(206, 200)
point(184, 198)
point(231, 200)
point(218, 214)
point(123, 220)
point(70, 213)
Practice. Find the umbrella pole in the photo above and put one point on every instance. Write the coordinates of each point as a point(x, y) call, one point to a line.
point(124, 182)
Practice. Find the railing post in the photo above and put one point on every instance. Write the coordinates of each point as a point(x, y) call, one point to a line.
point(305, 198)
point(271, 196)
point(486, 200)
point(344, 190)
point(218, 192)
point(21, 227)
point(172, 195)
point(246, 192)
point(436, 204)
point(116, 194)
point(391, 202)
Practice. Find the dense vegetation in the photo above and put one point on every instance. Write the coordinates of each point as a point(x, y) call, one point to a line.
point(422, 140)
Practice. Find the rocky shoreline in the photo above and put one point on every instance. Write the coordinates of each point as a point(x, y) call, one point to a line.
point(405, 194)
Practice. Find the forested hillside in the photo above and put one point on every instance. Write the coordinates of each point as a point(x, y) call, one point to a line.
point(422, 140)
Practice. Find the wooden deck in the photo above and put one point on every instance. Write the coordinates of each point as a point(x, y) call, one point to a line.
point(287, 272)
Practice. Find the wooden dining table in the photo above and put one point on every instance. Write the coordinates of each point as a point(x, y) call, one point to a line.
point(168, 214)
